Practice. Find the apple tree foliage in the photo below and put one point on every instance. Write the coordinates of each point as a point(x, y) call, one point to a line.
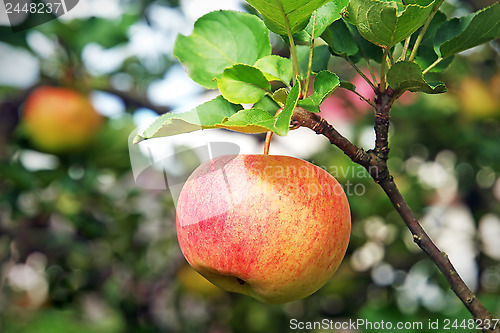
point(230, 51)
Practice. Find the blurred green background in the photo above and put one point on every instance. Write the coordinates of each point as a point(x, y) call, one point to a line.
point(85, 248)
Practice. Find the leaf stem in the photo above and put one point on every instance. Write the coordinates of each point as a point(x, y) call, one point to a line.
point(361, 96)
point(360, 72)
point(431, 66)
point(364, 99)
point(370, 69)
point(382, 70)
point(423, 30)
point(390, 60)
point(403, 55)
point(311, 52)
point(293, 51)
point(372, 72)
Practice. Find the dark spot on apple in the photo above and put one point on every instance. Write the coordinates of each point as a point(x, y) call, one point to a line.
point(240, 281)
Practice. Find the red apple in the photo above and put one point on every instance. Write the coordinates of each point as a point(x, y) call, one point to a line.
point(272, 227)
point(59, 119)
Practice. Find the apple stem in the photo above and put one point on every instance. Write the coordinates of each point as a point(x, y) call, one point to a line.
point(267, 143)
point(269, 135)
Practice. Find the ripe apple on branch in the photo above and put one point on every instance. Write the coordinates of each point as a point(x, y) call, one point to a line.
point(272, 227)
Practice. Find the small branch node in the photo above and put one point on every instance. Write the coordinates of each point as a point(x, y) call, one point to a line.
point(417, 239)
point(360, 155)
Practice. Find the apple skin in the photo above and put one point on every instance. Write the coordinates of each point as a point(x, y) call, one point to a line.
point(59, 119)
point(272, 227)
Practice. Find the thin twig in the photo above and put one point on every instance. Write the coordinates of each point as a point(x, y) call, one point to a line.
point(420, 237)
point(360, 72)
point(423, 30)
point(361, 97)
point(365, 56)
point(431, 66)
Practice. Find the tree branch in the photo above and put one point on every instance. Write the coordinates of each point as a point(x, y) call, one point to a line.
point(420, 237)
point(383, 103)
point(319, 125)
point(375, 162)
point(129, 99)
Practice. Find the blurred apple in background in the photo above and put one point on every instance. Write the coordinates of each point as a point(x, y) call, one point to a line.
point(193, 282)
point(59, 120)
point(272, 227)
point(477, 99)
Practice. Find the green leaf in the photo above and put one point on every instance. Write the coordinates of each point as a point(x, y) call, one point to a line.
point(282, 125)
point(383, 23)
point(78, 33)
point(407, 75)
point(243, 84)
point(339, 38)
point(280, 96)
point(221, 39)
point(99, 30)
point(267, 104)
point(345, 41)
point(256, 120)
point(469, 31)
point(276, 68)
point(202, 117)
point(450, 29)
point(324, 84)
point(249, 121)
point(366, 48)
point(277, 13)
point(321, 19)
point(347, 85)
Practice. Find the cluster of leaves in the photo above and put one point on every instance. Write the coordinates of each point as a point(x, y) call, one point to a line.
point(230, 51)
